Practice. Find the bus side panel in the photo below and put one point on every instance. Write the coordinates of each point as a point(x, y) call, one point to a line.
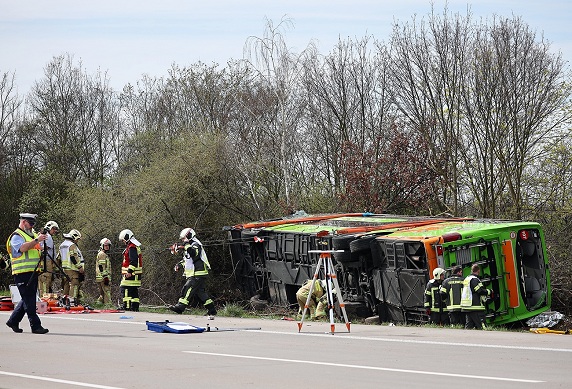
point(510, 274)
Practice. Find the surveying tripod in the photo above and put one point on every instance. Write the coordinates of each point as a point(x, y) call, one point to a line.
point(326, 261)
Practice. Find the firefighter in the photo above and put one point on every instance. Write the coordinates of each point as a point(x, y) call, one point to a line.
point(73, 264)
point(196, 268)
point(473, 297)
point(24, 249)
point(49, 254)
point(131, 271)
point(103, 271)
point(434, 305)
point(451, 294)
point(319, 300)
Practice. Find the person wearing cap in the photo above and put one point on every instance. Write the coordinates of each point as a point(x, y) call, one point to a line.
point(451, 294)
point(434, 305)
point(48, 257)
point(24, 248)
point(73, 264)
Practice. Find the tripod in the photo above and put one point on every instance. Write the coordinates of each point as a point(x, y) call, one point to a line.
point(326, 261)
point(44, 262)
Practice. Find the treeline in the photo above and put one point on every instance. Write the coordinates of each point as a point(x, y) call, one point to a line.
point(448, 116)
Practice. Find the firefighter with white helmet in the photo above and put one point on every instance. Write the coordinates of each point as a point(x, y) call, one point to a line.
point(49, 254)
point(196, 268)
point(434, 305)
point(73, 264)
point(103, 271)
point(131, 271)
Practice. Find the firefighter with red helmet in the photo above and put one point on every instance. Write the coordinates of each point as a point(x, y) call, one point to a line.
point(103, 271)
point(131, 271)
point(196, 268)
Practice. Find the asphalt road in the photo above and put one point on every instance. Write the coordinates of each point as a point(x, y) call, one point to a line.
point(116, 350)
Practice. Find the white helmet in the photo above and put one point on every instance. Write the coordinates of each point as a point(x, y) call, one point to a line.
point(104, 242)
point(125, 235)
point(437, 272)
point(51, 224)
point(73, 234)
point(187, 233)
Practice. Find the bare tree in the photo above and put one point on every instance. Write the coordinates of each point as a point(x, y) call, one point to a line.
point(9, 105)
point(75, 120)
point(279, 69)
point(429, 66)
point(515, 100)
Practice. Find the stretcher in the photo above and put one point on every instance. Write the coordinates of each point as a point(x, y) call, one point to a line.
point(174, 327)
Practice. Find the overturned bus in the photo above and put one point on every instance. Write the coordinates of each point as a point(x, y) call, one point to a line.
point(383, 262)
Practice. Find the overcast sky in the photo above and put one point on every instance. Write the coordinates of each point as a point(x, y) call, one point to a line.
point(129, 38)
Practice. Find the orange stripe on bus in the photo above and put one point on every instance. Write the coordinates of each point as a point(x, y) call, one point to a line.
point(510, 274)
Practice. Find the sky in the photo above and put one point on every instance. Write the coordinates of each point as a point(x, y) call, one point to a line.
point(130, 38)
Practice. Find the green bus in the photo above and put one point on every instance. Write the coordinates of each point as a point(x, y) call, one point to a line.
point(383, 262)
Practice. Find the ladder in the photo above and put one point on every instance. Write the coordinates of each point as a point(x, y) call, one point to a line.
point(325, 261)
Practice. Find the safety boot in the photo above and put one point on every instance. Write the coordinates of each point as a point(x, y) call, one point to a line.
point(178, 308)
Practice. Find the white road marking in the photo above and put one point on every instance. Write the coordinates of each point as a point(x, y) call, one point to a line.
point(369, 367)
point(414, 341)
point(75, 383)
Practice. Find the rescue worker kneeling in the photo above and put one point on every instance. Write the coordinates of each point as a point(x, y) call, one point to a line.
point(318, 303)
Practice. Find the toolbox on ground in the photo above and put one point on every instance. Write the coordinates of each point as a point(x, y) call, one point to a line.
point(175, 327)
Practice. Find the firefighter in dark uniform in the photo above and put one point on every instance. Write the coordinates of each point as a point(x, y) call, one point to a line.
point(24, 249)
point(434, 304)
point(131, 271)
point(473, 297)
point(196, 265)
point(451, 294)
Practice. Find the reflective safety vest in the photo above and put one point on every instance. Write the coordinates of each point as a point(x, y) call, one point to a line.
point(195, 260)
point(473, 289)
point(451, 291)
point(28, 261)
point(69, 249)
point(103, 261)
point(433, 298)
point(136, 266)
point(317, 293)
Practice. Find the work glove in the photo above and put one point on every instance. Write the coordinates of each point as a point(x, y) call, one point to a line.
point(106, 281)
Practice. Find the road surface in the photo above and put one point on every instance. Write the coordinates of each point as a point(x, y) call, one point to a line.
point(116, 350)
